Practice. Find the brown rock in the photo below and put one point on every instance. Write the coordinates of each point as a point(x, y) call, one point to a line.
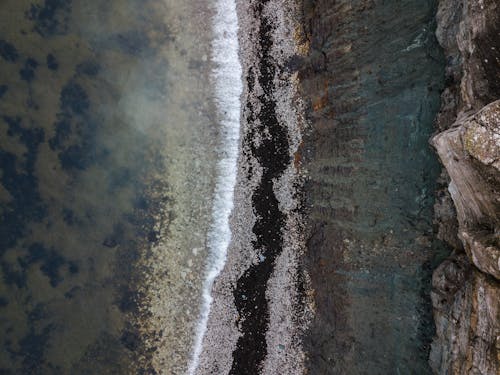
point(467, 313)
point(481, 135)
point(466, 289)
point(472, 189)
point(483, 249)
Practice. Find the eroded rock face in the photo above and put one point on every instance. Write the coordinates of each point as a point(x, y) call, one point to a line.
point(481, 136)
point(467, 308)
point(466, 287)
point(372, 78)
point(470, 152)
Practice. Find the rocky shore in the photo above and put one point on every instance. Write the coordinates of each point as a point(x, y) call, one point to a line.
point(466, 288)
point(334, 247)
point(372, 79)
point(354, 251)
point(258, 315)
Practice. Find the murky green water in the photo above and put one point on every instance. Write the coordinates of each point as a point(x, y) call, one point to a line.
point(107, 139)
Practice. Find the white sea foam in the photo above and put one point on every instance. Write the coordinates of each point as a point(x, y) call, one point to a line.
point(228, 88)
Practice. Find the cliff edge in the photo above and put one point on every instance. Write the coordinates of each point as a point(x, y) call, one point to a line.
point(466, 286)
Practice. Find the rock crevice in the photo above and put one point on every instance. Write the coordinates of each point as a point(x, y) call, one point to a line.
point(466, 288)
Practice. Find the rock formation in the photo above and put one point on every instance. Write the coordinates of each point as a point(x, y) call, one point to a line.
point(372, 79)
point(466, 287)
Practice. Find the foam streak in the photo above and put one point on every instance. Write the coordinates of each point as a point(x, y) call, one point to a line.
point(228, 88)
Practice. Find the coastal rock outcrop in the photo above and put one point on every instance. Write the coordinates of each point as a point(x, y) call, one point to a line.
point(372, 80)
point(466, 287)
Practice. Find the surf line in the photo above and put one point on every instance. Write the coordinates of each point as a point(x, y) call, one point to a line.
point(228, 88)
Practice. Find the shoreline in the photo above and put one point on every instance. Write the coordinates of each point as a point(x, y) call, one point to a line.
point(256, 296)
point(226, 77)
point(368, 242)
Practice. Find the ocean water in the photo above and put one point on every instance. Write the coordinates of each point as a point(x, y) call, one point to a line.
point(113, 142)
point(118, 143)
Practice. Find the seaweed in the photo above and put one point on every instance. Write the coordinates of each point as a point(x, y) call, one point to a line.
point(89, 68)
point(51, 267)
point(128, 301)
point(50, 18)
point(52, 63)
point(120, 178)
point(73, 158)
point(72, 292)
point(130, 339)
point(4, 302)
point(68, 216)
point(73, 268)
point(8, 51)
point(32, 349)
point(31, 137)
point(12, 276)
point(141, 203)
point(73, 118)
point(51, 262)
point(74, 98)
point(19, 180)
point(63, 131)
point(133, 42)
point(3, 90)
point(273, 155)
point(27, 72)
point(38, 313)
point(115, 237)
